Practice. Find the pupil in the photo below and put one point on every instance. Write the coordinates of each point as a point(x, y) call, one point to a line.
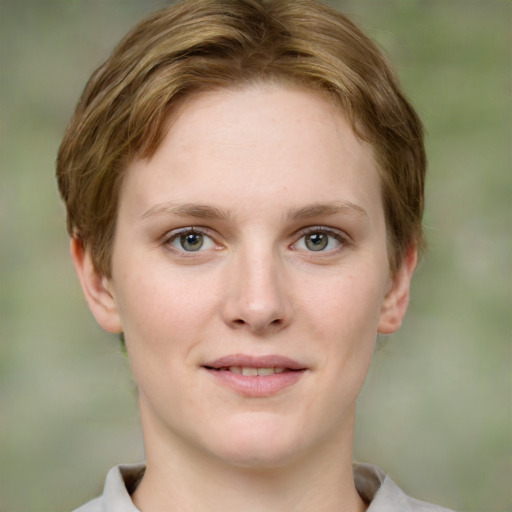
point(191, 241)
point(316, 242)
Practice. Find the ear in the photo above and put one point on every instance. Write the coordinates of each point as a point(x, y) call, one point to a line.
point(396, 300)
point(96, 288)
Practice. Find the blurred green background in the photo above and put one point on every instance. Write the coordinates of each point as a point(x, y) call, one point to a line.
point(436, 409)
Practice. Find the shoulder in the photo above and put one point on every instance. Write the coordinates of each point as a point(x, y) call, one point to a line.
point(121, 481)
point(378, 489)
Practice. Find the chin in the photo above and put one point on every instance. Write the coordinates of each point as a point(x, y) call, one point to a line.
point(259, 443)
point(258, 457)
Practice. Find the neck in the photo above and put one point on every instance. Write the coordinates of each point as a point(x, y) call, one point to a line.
point(179, 478)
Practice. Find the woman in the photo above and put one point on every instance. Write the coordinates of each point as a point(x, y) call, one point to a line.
point(244, 188)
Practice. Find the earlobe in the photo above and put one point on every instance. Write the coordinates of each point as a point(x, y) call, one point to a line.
point(96, 288)
point(396, 300)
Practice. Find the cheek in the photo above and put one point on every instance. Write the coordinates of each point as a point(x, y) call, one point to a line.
point(347, 304)
point(345, 317)
point(163, 311)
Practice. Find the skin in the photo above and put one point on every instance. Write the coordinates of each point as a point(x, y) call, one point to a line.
point(260, 173)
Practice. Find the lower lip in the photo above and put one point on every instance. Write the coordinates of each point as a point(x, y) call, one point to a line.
point(257, 385)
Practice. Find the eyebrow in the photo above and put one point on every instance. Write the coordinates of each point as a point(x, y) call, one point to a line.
point(204, 211)
point(326, 209)
point(201, 211)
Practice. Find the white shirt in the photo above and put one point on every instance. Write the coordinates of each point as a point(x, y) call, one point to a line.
point(372, 484)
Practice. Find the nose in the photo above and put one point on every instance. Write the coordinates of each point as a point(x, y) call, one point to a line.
point(257, 294)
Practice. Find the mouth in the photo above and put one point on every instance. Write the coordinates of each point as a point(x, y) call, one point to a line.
point(250, 371)
point(243, 364)
point(256, 376)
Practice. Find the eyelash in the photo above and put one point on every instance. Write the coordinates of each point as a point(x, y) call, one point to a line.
point(340, 238)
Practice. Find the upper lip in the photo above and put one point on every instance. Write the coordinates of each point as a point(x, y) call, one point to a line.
point(248, 361)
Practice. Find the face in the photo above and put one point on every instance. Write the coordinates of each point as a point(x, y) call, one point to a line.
point(250, 277)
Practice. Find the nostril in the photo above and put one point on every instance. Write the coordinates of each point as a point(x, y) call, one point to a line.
point(239, 321)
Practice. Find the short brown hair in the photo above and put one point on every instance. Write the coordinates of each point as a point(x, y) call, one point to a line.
point(205, 44)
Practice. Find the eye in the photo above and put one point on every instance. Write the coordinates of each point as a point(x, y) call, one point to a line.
point(190, 240)
point(320, 240)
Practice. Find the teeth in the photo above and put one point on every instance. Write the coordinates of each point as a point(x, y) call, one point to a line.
point(251, 372)
point(266, 371)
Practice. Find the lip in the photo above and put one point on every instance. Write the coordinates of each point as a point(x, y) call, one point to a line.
point(256, 386)
point(255, 362)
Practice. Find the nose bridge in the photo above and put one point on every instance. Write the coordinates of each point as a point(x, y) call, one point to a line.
point(258, 297)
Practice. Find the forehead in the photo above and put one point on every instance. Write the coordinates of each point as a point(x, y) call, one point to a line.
point(256, 142)
point(289, 114)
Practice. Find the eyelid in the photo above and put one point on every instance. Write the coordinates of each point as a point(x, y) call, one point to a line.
point(339, 233)
point(186, 229)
